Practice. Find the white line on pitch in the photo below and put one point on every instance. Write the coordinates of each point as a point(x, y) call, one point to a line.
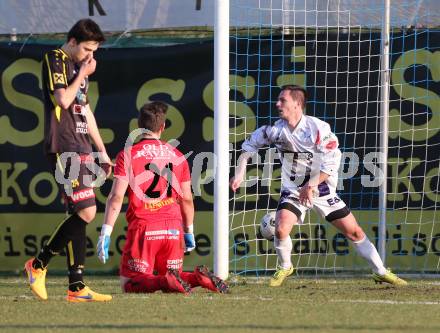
point(378, 301)
point(241, 298)
point(53, 282)
point(30, 297)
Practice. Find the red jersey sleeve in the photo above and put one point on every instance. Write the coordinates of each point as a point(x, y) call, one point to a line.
point(121, 167)
point(181, 173)
point(186, 175)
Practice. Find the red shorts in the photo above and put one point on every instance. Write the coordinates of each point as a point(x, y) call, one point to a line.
point(152, 246)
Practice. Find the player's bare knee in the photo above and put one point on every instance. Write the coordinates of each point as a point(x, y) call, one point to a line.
point(356, 234)
point(279, 234)
point(282, 230)
point(359, 234)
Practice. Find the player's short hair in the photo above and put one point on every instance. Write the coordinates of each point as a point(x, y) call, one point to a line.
point(152, 116)
point(86, 30)
point(298, 94)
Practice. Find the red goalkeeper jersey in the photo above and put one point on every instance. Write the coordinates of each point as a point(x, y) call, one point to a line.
point(155, 171)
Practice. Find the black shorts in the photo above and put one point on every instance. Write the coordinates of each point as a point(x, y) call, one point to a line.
point(77, 193)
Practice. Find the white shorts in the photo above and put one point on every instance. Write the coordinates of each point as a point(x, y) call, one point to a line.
point(327, 204)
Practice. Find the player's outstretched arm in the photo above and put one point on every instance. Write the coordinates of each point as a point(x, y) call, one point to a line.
point(112, 209)
point(259, 138)
point(240, 170)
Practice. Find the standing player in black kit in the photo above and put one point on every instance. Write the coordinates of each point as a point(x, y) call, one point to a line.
point(69, 126)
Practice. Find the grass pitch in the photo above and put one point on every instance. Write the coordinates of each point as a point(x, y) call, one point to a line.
point(300, 305)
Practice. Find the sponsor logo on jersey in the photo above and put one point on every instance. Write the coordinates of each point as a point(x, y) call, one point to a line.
point(78, 109)
point(75, 183)
point(328, 136)
point(156, 205)
point(155, 151)
point(170, 234)
point(302, 155)
point(58, 78)
point(81, 127)
point(293, 156)
point(306, 134)
point(331, 145)
point(162, 232)
point(82, 195)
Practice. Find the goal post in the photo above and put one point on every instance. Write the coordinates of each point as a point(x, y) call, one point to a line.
point(221, 139)
point(384, 128)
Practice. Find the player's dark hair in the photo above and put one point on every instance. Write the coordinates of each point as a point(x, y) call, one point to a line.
point(152, 116)
point(86, 30)
point(298, 94)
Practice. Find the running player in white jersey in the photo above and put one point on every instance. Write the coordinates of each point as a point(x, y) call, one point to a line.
point(310, 162)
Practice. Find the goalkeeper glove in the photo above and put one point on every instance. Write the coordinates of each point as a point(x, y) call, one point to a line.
point(190, 242)
point(104, 243)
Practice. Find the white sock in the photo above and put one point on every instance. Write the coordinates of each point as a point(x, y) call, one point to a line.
point(367, 251)
point(283, 247)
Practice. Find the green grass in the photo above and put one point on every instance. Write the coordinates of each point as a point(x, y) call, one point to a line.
point(301, 305)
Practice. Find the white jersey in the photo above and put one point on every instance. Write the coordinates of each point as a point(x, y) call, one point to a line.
point(304, 151)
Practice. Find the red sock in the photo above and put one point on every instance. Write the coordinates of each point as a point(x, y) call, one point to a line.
point(190, 278)
point(147, 283)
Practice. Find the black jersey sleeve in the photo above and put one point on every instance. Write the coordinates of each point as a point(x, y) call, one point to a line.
point(56, 70)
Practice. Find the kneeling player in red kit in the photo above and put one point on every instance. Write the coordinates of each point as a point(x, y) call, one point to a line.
point(160, 213)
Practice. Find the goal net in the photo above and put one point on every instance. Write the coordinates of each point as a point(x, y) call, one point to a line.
point(333, 49)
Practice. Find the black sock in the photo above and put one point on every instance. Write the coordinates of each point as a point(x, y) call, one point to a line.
point(52, 247)
point(43, 258)
point(65, 232)
point(76, 256)
point(76, 282)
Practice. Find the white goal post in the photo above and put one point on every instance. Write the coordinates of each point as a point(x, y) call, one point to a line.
point(221, 139)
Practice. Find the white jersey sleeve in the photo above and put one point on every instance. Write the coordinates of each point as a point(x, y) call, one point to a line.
point(261, 137)
point(327, 143)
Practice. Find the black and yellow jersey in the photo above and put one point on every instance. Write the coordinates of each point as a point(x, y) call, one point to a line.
point(65, 130)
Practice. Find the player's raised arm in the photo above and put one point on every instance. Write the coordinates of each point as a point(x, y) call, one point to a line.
point(258, 139)
point(65, 96)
